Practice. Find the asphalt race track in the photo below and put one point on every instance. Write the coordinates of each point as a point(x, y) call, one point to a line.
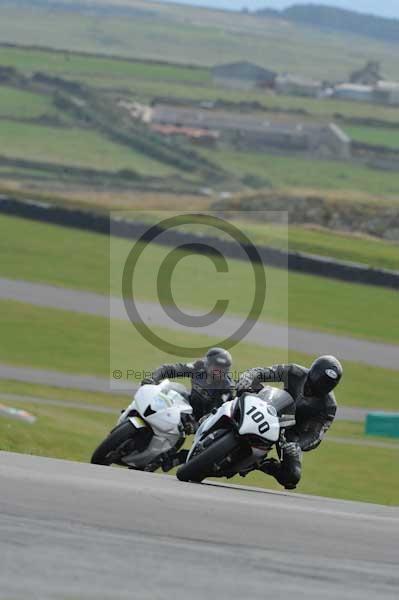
point(76, 531)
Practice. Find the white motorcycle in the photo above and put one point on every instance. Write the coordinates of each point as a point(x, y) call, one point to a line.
point(239, 435)
point(149, 428)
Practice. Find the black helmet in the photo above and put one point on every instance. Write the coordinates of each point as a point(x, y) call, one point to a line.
point(218, 359)
point(324, 374)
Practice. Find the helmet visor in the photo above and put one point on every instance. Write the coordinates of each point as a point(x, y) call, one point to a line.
point(219, 364)
point(325, 382)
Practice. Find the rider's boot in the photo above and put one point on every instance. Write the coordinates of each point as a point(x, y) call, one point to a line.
point(169, 461)
point(288, 471)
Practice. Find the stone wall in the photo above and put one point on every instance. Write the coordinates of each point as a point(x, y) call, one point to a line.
point(372, 218)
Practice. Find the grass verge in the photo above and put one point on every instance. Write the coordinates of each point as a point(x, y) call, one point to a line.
point(46, 392)
point(59, 432)
point(344, 471)
point(73, 343)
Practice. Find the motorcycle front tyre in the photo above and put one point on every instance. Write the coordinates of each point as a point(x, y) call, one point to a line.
point(202, 465)
point(122, 433)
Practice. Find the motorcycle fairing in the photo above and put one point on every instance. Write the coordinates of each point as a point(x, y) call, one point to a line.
point(210, 422)
point(157, 446)
point(161, 406)
point(267, 423)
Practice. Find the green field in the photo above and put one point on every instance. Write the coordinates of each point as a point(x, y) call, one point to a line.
point(73, 146)
point(20, 104)
point(336, 470)
point(79, 260)
point(374, 136)
point(284, 171)
point(85, 67)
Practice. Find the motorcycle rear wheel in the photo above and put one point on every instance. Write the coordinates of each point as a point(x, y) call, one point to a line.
point(118, 436)
point(202, 465)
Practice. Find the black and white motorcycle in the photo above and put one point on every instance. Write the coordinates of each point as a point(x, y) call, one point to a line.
point(151, 427)
point(239, 435)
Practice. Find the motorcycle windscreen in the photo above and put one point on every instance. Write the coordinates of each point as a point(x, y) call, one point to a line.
point(164, 400)
point(161, 397)
point(177, 391)
point(282, 401)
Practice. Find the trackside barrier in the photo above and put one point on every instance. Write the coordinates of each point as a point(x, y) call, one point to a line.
point(383, 423)
point(296, 261)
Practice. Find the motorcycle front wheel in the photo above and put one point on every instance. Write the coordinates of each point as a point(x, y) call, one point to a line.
point(202, 465)
point(122, 436)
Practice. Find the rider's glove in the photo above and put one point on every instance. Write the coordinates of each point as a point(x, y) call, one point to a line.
point(189, 424)
point(245, 382)
point(148, 381)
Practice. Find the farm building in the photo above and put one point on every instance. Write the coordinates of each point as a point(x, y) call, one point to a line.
point(368, 75)
point(387, 92)
point(243, 76)
point(297, 86)
point(257, 133)
point(205, 136)
point(356, 92)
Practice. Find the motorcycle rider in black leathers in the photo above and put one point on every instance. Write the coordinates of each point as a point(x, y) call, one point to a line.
point(211, 385)
point(314, 406)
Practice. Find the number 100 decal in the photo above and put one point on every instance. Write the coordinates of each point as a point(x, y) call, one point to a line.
point(259, 418)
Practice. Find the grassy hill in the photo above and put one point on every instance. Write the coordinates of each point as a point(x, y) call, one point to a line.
point(152, 30)
point(330, 18)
